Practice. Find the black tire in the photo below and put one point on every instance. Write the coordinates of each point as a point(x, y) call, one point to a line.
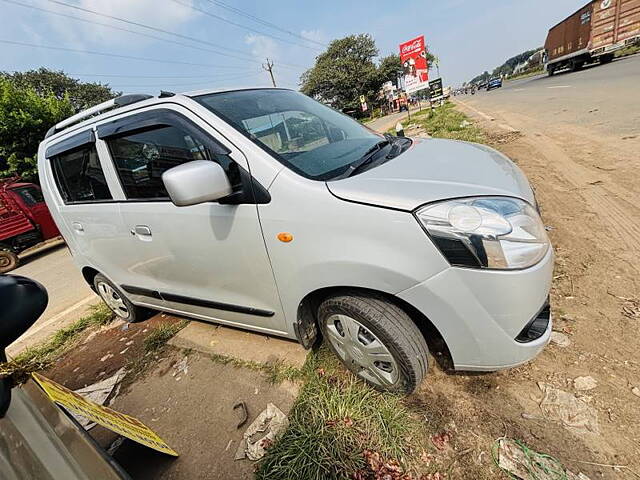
point(550, 71)
point(576, 65)
point(391, 326)
point(605, 58)
point(8, 261)
point(112, 296)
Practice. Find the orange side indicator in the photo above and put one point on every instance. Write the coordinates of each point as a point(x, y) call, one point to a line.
point(285, 237)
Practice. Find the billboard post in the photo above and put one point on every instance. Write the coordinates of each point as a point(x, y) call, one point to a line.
point(413, 57)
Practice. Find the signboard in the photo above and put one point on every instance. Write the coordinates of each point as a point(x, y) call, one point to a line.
point(413, 57)
point(119, 423)
point(363, 103)
point(435, 89)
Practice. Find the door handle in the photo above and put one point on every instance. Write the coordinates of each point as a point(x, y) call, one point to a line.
point(77, 226)
point(142, 230)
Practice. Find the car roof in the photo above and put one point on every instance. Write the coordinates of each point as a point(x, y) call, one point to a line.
point(196, 93)
point(94, 114)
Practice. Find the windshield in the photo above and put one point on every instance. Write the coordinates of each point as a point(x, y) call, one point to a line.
point(30, 195)
point(306, 136)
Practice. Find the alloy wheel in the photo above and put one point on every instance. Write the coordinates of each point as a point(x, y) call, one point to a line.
point(358, 347)
point(113, 300)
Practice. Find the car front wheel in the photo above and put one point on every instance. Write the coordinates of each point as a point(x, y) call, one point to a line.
point(376, 340)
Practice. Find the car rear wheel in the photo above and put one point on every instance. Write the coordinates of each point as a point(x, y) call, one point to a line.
point(376, 340)
point(606, 58)
point(8, 261)
point(117, 302)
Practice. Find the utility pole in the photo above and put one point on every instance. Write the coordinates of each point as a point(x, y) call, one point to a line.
point(269, 68)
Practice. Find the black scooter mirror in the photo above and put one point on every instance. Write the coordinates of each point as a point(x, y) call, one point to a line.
point(22, 301)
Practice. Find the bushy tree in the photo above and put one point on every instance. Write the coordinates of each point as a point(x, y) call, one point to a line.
point(25, 117)
point(343, 72)
point(388, 69)
point(82, 95)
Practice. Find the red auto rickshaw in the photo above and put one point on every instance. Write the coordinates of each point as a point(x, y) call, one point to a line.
point(25, 220)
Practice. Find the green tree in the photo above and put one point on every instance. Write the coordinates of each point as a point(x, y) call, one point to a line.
point(25, 117)
point(343, 72)
point(389, 68)
point(81, 95)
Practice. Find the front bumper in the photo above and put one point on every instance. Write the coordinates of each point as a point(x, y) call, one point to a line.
point(479, 313)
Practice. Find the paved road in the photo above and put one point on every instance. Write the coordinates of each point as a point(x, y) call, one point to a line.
point(383, 124)
point(69, 294)
point(581, 132)
point(605, 98)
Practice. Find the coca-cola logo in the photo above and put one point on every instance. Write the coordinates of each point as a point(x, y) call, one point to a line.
point(410, 47)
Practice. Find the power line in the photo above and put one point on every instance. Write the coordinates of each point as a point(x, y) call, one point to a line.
point(263, 22)
point(127, 30)
point(269, 68)
point(105, 54)
point(184, 84)
point(160, 30)
point(222, 19)
point(118, 75)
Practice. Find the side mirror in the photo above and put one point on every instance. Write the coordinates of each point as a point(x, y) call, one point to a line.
point(23, 300)
point(196, 182)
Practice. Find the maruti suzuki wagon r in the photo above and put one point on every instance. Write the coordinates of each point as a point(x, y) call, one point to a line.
point(266, 210)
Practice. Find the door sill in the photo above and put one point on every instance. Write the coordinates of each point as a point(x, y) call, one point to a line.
point(220, 321)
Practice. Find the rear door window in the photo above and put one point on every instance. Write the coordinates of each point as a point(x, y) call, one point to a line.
point(141, 158)
point(79, 176)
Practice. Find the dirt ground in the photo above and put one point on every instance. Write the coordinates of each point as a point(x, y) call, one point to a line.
point(588, 191)
point(184, 396)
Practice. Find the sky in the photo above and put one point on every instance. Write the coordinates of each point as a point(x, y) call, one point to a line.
point(223, 43)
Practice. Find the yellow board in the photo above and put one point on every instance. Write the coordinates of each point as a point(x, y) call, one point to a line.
point(117, 422)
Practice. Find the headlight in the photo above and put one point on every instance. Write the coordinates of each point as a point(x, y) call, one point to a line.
point(486, 232)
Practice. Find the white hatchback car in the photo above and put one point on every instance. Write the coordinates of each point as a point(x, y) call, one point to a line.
point(266, 210)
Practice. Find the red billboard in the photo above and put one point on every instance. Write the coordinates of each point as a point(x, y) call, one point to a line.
point(413, 57)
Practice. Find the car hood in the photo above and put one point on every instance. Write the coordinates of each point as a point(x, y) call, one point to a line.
point(432, 170)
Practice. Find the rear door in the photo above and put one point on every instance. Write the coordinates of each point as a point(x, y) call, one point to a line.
point(206, 260)
point(81, 201)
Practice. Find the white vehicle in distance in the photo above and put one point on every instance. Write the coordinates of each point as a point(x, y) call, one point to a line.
point(266, 210)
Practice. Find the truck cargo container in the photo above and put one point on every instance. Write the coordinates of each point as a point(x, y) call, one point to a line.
point(593, 33)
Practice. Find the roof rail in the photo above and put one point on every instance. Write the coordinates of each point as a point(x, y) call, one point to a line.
point(117, 102)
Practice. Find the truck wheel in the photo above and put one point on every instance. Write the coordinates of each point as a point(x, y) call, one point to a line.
point(8, 261)
point(376, 340)
point(576, 65)
point(550, 71)
point(117, 302)
point(605, 58)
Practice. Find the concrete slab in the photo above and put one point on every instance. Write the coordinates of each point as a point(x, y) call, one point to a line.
point(240, 344)
point(189, 403)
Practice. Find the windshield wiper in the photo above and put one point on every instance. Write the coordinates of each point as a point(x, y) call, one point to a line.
point(364, 160)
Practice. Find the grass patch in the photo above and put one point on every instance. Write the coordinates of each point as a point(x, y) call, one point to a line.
point(334, 419)
point(630, 50)
point(277, 372)
point(159, 337)
point(43, 355)
point(448, 122)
